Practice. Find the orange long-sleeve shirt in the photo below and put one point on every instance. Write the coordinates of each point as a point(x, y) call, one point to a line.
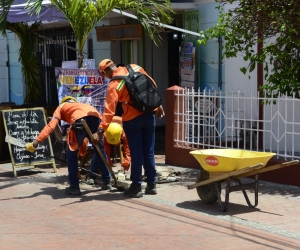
point(68, 112)
point(126, 151)
point(117, 91)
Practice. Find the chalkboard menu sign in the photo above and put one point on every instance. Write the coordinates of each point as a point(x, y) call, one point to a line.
point(26, 124)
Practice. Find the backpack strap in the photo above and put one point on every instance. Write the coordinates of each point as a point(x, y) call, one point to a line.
point(118, 78)
point(130, 70)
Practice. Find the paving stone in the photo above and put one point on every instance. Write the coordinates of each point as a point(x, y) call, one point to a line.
point(36, 214)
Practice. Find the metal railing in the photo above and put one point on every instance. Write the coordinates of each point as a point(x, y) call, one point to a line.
point(215, 119)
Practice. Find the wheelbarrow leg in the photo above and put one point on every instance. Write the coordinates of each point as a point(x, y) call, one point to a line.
point(223, 207)
point(240, 187)
point(254, 186)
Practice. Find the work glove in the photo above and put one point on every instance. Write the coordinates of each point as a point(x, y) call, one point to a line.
point(126, 164)
point(29, 147)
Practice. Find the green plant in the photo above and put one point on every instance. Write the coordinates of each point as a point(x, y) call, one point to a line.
point(83, 15)
point(31, 68)
point(274, 25)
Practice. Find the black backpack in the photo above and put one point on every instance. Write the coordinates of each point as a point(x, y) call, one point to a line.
point(142, 91)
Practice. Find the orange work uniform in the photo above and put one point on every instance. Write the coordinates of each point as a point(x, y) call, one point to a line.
point(68, 112)
point(117, 91)
point(126, 152)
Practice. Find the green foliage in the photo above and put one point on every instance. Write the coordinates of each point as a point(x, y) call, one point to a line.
point(83, 15)
point(5, 6)
point(275, 24)
point(30, 63)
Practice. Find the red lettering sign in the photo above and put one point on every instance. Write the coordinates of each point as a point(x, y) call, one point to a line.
point(99, 81)
point(92, 80)
point(212, 161)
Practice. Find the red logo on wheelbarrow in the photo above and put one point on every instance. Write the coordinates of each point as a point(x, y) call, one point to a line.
point(210, 160)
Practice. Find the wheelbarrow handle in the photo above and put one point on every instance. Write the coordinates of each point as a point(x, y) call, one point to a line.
point(99, 151)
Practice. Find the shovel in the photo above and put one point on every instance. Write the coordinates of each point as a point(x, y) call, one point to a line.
point(115, 184)
point(22, 144)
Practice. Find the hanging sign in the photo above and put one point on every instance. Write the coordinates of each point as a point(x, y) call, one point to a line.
point(119, 32)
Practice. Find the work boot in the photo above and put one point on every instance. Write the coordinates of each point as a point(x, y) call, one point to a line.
point(73, 191)
point(134, 191)
point(151, 189)
point(106, 185)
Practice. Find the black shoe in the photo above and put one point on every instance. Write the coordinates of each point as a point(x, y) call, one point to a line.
point(151, 189)
point(134, 191)
point(73, 191)
point(106, 186)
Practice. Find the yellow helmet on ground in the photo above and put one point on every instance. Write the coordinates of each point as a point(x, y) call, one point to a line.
point(68, 98)
point(113, 133)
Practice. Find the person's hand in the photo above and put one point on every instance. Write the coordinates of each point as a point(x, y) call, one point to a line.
point(160, 112)
point(29, 147)
point(97, 137)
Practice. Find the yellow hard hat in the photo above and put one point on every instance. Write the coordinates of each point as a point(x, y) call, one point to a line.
point(113, 133)
point(68, 98)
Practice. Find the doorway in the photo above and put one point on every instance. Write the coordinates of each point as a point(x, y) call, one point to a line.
point(51, 54)
point(174, 42)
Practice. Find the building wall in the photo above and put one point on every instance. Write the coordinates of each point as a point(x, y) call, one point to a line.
point(209, 54)
point(101, 50)
point(17, 85)
point(3, 70)
point(234, 78)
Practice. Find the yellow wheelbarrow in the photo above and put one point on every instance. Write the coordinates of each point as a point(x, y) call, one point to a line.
point(229, 165)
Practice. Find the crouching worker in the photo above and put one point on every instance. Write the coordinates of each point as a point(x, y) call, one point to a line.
point(72, 112)
point(115, 137)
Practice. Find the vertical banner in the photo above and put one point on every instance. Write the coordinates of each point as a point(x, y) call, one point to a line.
point(187, 80)
point(86, 85)
point(187, 64)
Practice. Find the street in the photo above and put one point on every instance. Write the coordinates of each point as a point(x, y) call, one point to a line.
point(36, 214)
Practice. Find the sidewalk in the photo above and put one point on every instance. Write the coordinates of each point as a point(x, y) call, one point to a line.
point(36, 214)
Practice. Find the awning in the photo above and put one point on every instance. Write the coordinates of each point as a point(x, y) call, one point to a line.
point(160, 24)
point(17, 13)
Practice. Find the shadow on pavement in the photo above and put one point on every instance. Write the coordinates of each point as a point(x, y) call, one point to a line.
point(57, 193)
point(213, 209)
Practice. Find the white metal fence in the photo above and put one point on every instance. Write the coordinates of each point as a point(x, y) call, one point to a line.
point(212, 119)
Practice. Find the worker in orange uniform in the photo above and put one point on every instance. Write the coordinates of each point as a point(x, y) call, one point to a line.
point(115, 136)
point(72, 112)
point(138, 126)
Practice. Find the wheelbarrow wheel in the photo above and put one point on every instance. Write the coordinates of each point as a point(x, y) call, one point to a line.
point(207, 193)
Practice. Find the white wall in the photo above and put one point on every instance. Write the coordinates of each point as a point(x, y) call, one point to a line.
point(4, 96)
point(101, 50)
point(197, 2)
point(17, 85)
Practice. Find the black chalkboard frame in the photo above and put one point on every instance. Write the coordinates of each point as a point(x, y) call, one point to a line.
point(33, 163)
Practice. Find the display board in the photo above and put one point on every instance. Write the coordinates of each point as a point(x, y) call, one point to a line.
point(26, 124)
point(187, 64)
point(86, 85)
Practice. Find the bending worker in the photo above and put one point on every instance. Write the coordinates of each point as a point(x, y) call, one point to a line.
point(72, 112)
point(114, 137)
